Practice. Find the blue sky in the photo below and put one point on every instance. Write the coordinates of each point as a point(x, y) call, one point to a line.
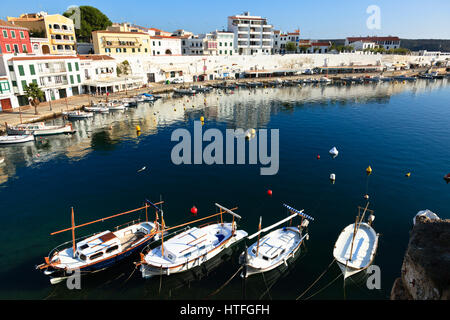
point(411, 19)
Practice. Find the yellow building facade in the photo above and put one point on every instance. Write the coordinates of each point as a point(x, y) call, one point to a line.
point(58, 29)
point(120, 43)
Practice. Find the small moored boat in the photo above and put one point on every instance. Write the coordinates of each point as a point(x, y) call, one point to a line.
point(39, 129)
point(102, 250)
point(75, 115)
point(192, 247)
point(277, 247)
point(99, 108)
point(356, 245)
point(16, 139)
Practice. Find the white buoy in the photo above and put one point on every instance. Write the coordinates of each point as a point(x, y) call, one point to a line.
point(332, 177)
point(334, 152)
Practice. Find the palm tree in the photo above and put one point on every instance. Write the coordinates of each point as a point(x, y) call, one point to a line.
point(34, 95)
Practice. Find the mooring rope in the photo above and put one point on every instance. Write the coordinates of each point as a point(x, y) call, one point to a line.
point(316, 280)
point(130, 275)
point(264, 278)
point(340, 275)
point(224, 285)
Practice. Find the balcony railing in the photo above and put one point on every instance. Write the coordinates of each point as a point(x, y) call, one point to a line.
point(63, 31)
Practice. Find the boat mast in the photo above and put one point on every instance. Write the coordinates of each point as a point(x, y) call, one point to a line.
point(162, 233)
point(73, 233)
point(357, 224)
point(259, 234)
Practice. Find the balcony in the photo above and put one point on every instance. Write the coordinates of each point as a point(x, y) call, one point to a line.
point(62, 31)
point(63, 41)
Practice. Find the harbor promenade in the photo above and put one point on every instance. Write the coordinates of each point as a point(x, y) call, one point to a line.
point(53, 109)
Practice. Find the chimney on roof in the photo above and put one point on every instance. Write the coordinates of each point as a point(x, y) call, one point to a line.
point(246, 13)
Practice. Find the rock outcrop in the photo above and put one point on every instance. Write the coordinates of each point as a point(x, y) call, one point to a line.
point(425, 273)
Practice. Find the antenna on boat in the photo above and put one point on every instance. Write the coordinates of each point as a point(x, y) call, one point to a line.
point(357, 224)
point(259, 234)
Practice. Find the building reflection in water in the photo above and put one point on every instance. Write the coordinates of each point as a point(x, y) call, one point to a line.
point(241, 108)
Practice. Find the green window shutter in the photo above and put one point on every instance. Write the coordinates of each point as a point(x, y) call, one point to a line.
point(24, 84)
point(32, 71)
point(14, 83)
point(35, 81)
point(71, 79)
point(78, 78)
point(21, 71)
point(70, 66)
point(76, 66)
point(11, 68)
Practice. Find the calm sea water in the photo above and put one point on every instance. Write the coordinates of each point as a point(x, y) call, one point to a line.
point(394, 128)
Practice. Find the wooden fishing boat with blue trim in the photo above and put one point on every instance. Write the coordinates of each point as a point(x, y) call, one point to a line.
point(193, 247)
point(102, 250)
point(277, 247)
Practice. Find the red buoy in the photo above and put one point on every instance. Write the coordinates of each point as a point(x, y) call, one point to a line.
point(194, 210)
point(318, 156)
point(447, 177)
point(269, 192)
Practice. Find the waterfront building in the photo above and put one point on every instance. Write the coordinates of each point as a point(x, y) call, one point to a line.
point(119, 43)
point(216, 43)
point(57, 29)
point(99, 75)
point(57, 76)
point(165, 45)
point(361, 45)
point(387, 43)
point(225, 42)
point(7, 99)
point(14, 39)
point(252, 34)
point(280, 40)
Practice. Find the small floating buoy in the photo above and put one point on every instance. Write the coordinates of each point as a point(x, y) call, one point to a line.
point(138, 128)
point(369, 170)
point(333, 177)
point(334, 152)
point(202, 119)
point(318, 156)
point(142, 169)
point(366, 197)
point(447, 177)
point(194, 210)
point(269, 192)
point(408, 174)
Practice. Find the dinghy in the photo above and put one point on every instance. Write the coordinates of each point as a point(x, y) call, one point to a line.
point(97, 109)
point(38, 129)
point(101, 250)
point(276, 248)
point(16, 139)
point(356, 245)
point(334, 152)
point(75, 115)
point(192, 247)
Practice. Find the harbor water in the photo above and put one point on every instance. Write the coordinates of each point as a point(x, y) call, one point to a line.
point(395, 128)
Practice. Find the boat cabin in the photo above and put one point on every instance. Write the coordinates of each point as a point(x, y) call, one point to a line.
point(190, 243)
point(98, 246)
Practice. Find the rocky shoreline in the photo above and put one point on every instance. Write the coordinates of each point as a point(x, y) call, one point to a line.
point(425, 272)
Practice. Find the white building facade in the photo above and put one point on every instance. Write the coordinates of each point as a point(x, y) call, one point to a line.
point(252, 34)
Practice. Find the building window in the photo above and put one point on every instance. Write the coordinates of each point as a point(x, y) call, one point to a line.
point(8, 48)
point(117, 49)
point(24, 48)
point(5, 34)
point(11, 68)
point(13, 34)
point(71, 79)
point(14, 83)
point(21, 71)
point(22, 35)
point(76, 66)
point(32, 71)
point(70, 66)
point(124, 49)
point(78, 78)
point(24, 85)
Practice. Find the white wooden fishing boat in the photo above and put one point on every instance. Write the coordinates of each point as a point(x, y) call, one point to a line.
point(78, 114)
point(129, 102)
point(16, 139)
point(115, 105)
point(276, 248)
point(356, 245)
point(38, 129)
point(192, 247)
point(99, 108)
point(184, 91)
point(101, 250)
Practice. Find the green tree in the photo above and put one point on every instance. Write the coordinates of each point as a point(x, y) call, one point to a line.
point(291, 47)
point(91, 19)
point(303, 48)
point(123, 68)
point(34, 95)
